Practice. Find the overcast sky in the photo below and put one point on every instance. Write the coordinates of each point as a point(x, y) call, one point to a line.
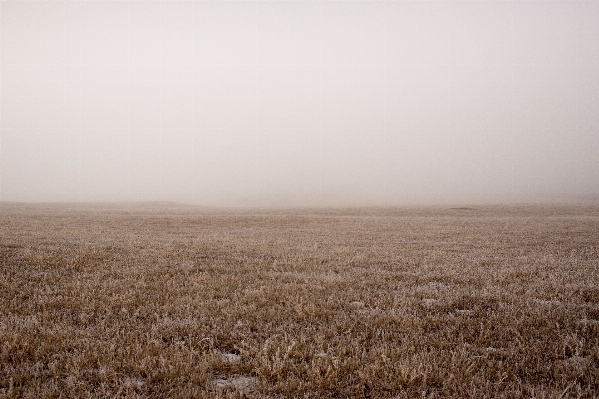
point(299, 102)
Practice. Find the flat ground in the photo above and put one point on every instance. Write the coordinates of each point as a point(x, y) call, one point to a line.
point(160, 301)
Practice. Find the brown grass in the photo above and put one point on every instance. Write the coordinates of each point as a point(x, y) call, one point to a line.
point(124, 301)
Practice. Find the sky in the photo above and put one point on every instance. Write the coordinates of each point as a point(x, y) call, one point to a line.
point(299, 103)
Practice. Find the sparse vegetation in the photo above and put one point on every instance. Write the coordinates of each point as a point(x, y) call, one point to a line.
point(119, 301)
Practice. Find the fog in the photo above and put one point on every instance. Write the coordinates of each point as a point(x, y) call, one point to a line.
point(299, 102)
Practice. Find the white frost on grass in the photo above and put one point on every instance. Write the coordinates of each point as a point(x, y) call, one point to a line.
point(232, 357)
point(357, 305)
point(429, 302)
point(236, 383)
point(548, 303)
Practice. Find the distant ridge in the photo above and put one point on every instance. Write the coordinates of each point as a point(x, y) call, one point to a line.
point(156, 206)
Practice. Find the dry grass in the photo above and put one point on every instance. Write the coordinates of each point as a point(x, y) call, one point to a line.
point(123, 301)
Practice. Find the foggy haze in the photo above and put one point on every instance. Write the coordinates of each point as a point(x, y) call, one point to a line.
point(299, 102)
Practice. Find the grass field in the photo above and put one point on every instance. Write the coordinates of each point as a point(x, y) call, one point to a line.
point(159, 300)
